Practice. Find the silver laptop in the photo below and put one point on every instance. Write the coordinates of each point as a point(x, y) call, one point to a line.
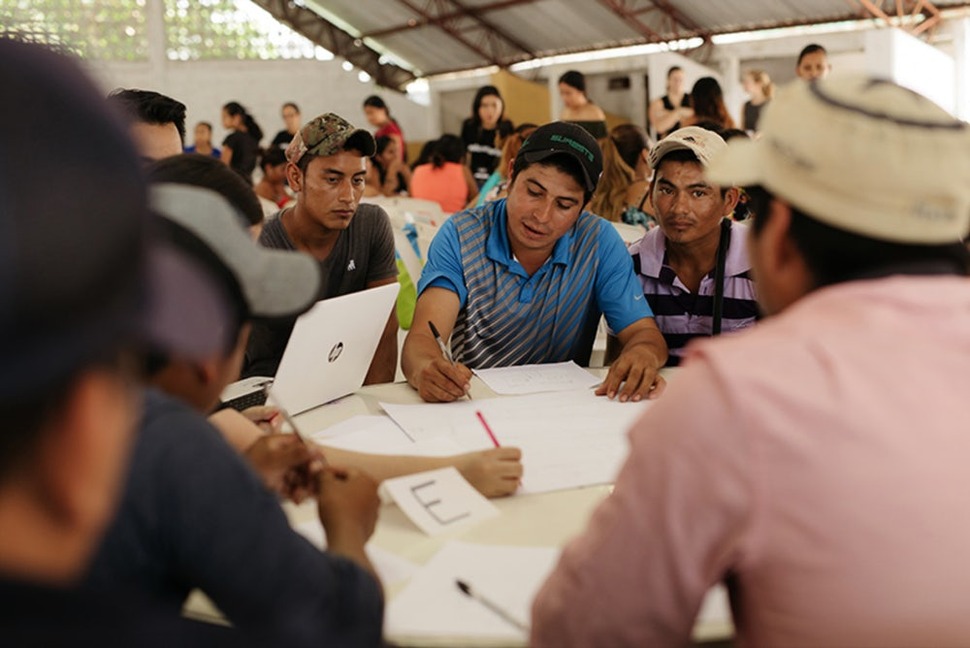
point(328, 353)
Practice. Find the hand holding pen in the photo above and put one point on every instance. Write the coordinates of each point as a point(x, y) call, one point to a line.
point(442, 379)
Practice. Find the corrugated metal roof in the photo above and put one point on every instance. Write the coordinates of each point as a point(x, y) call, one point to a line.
point(435, 36)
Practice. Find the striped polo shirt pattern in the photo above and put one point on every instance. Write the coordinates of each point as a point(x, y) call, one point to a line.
point(682, 315)
point(509, 318)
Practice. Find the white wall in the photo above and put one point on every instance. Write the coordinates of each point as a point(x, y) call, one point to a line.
point(960, 32)
point(262, 87)
point(894, 54)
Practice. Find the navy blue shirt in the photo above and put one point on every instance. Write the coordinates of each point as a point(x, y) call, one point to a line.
point(194, 515)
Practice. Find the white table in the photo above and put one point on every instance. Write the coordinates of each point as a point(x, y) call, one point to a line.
point(547, 519)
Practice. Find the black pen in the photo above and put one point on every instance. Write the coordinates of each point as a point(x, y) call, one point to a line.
point(444, 349)
point(441, 343)
point(469, 592)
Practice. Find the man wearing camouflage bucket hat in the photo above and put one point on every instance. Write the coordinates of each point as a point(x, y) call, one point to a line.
point(816, 462)
point(353, 243)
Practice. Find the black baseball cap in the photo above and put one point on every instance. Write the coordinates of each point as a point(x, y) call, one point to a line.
point(80, 278)
point(561, 137)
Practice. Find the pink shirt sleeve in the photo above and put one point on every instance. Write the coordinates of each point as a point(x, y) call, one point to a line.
point(679, 518)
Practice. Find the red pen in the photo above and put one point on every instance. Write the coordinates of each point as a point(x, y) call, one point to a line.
point(488, 430)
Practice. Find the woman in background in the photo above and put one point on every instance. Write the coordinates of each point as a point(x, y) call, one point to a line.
point(272, 186)
point(483, 133)
point(666, 113)
point(292, 120)
point(621, 195)
point(760, 88)
point(379, 116)
point(445, 179)
point(387, 173)
point(707, 100)
point(577, 107)
point(497, 184)
point(241, 146)
point(202, 143)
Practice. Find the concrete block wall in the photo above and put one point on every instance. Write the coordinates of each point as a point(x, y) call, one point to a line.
point(262, 87)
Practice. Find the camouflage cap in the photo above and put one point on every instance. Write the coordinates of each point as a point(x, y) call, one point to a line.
point(328, 134)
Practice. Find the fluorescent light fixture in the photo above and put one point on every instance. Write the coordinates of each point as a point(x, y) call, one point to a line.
point(463, 74)
point(419, 91)
point(388, 56)
point(809, 30)
point(613, 52)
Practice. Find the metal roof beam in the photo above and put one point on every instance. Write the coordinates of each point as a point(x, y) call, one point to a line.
point(678, 19)
point(677, 25)
point(449, 28)
point(437, 20)
point(487, 45)
point(904, 9)
point(327, 35)
point(475, 15)
point(630, 15)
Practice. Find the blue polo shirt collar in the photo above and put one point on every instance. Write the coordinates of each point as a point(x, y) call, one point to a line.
point(498, 249)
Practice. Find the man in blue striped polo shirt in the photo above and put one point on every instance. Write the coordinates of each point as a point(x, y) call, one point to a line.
point(524, 280)
point(694, 267)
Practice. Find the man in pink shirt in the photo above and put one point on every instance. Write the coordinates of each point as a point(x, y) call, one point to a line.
point(817, 464)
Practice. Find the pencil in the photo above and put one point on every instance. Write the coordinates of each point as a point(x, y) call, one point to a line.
point(488, 430)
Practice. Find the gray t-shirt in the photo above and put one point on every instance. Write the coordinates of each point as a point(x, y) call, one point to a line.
point(363, 254)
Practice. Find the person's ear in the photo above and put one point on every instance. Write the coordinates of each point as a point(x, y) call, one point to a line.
point(206, 372)
point(508, 173)
point(294, 177)
point(731, 198)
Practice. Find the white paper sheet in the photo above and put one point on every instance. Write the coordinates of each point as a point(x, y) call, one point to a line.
point(532, 379)
point(391, 568)
point(432, 606)
point(380, 435)
point(439, 501)
point(568, 439)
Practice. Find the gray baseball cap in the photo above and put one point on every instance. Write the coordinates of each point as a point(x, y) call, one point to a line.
point(273, 283)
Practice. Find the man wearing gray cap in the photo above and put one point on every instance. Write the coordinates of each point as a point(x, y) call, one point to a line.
point(694, 267)
point(817, 463)
point(194, 515)
point(353, 243)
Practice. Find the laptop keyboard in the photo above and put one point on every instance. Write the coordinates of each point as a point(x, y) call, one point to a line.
point(252, 399)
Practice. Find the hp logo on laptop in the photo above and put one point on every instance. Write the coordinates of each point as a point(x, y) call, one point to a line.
point(335, 352)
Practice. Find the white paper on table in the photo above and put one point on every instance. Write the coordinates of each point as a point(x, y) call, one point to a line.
point(431, 605)
point(439, 500)
point(532, 379)
point(391, 568)
point(380, 435)
point(568, 439)
point(430, 420)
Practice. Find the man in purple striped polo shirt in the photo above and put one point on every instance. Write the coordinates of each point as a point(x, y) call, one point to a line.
point(694, 268)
